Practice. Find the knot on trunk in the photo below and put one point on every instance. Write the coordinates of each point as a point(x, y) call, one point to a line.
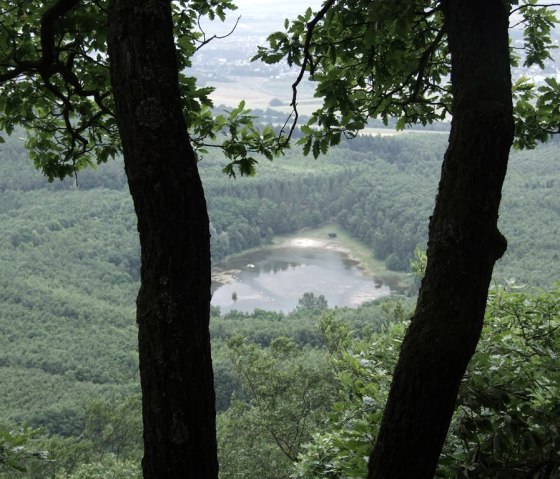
point(500, 244)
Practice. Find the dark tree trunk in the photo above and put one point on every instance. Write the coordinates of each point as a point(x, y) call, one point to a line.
point(464, 244)
point(174, 299)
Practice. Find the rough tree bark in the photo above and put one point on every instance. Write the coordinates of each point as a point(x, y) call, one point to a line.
point(464, 243)
point(174, 299)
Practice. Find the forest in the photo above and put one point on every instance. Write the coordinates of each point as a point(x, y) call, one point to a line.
point(70, 273)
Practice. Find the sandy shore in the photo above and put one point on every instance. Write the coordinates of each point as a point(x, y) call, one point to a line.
point(312, 243)
point(224, 277)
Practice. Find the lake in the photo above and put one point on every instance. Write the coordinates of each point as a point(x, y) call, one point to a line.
point(275, 278)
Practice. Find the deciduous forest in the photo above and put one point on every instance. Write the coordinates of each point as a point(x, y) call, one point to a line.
point(70, 272)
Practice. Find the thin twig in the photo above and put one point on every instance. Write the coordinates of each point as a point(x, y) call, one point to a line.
point(214, 37)
point(306, 60)
point(536, 5)
point(48, 19)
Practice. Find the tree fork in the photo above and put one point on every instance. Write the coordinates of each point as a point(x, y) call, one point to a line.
point(464, 243)
point(173, 305)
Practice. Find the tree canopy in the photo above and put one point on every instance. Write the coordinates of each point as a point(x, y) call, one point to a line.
point(54, 77)
point(391, 60)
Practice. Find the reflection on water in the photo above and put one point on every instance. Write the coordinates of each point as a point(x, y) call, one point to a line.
point(274, 279)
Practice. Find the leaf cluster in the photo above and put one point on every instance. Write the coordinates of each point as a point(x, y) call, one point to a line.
point(287, 391)
point(238, 138)
point(390, 60)
point(507, 420)
point(54, 82)
point(17, 450)
point(363, 370)
point(507, 423)
point(369, 60)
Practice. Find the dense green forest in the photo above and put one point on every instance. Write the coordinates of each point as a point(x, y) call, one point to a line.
point(379, 189)
point(69, 277)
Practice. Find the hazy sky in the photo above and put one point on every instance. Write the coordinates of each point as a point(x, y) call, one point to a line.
point(263, 16)
point(285, 8)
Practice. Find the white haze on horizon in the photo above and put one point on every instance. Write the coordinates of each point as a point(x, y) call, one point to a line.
point(260, 16)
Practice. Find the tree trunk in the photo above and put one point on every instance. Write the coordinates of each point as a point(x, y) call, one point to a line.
point(174, 299)
point(463, 245)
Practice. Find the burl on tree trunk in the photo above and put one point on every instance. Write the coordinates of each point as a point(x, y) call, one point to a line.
point(174, 299)
point(464, 243)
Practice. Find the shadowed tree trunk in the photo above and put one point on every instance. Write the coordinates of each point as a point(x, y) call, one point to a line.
point(464, 244)
point(174, 299)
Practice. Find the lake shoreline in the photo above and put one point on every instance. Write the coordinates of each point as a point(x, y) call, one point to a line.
point(320, 238)
point(275, 276)
point(356, 251)
point(221, 276)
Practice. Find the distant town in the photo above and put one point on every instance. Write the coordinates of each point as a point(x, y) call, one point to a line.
point(225, 63)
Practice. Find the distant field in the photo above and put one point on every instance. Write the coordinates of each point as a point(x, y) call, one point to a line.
point(258, 92)
point(392, 132)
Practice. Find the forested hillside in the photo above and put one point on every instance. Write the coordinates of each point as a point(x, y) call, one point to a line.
point(69, 264)
point(379, 189)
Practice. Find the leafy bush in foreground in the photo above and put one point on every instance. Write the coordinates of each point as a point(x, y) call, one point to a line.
point(507, 421)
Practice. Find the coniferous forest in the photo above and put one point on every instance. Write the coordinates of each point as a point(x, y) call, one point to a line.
point(302, 386)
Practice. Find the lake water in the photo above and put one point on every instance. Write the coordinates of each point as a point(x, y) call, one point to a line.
point(275, 278)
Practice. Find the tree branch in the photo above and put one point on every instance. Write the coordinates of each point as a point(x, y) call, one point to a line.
point(214, 37)
point(306, 60)
point(536, 5)
point(48, 21)
point(48, 51)
point(423, 63)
